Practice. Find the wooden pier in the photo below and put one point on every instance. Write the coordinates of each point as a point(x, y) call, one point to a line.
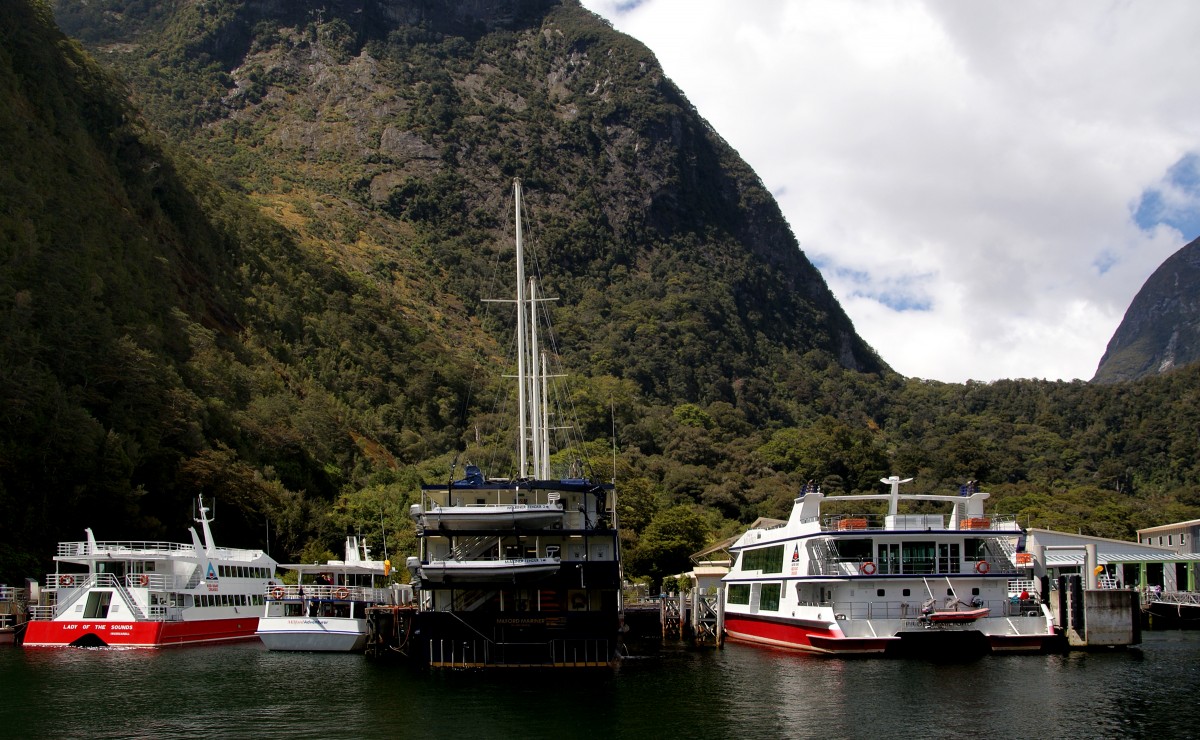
point(694, 616)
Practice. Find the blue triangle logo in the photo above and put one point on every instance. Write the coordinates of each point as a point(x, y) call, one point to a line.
point(212, 574)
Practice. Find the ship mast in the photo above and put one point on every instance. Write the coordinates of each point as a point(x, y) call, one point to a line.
point(523, 432)
point(532, 410)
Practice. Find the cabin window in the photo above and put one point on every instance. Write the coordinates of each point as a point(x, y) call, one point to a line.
point(917, 557)
point(907, 592)
point(739, 593)
point(880, 592)
point(974, 549)
point(888, 558)
point(975, 592)
point(854, 551)
point(1170, 539)
point(768, 599)
point(764, 559)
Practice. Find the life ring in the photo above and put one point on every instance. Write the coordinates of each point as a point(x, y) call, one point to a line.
point(66, 579)
point(277, 592)
point(341, 593)
point(982, 567)
point(867, 568)
point(143, 580)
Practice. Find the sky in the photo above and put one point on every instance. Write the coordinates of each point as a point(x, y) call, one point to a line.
point(984, 185)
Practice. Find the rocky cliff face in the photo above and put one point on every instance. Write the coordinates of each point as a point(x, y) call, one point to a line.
point(1161, 329)
point(386, 134)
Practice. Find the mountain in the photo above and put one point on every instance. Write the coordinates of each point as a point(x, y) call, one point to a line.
point(244, 252)
point(386, 133)
point(1161, 329)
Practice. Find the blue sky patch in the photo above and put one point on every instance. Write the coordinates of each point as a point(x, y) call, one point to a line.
point(900, 294)
point(1175, 202)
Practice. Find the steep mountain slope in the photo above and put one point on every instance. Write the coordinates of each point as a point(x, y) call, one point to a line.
point(160, 338)
point(385, 133)
point(1161, 329)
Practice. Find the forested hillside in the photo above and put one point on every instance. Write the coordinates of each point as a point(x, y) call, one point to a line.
point(245, 248)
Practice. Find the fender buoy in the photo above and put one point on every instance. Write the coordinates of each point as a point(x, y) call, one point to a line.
point(66, 580)
point(143, 580)
point(277, 592)
point(982, 566)
point(867, 569)
point(341, 593)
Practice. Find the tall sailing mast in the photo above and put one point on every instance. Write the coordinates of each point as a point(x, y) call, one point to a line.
point(532, 367)
point(522, 331)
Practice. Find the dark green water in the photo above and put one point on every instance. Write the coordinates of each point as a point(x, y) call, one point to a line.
point(243, 691)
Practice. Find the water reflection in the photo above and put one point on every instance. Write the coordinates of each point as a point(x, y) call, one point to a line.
point(739, 692)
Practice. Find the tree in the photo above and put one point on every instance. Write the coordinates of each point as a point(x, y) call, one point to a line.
point(668, 542)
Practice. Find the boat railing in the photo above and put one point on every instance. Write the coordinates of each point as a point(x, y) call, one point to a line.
point(325, 592)
point(41, 612)
point(829, 562)
point(912, 609)
point(520, 506)
point(879, 522)
point(1171, 597)
point(82, 549)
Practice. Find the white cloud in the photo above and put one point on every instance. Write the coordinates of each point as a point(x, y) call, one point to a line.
point(964, 174)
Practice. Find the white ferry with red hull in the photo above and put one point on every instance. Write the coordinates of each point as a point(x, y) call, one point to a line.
point(150, 594)
point(870, 584)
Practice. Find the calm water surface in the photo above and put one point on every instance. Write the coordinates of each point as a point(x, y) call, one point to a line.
point(738, 692)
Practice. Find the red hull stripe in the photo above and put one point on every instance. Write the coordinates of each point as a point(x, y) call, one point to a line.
point(140, 634)
point(778, 634)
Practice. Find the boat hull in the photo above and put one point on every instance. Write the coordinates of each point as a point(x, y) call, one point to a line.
point(136, 634)
point(313, 634)
point(891, 637)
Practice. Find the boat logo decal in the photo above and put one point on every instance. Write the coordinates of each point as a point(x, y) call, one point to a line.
point(212, 573)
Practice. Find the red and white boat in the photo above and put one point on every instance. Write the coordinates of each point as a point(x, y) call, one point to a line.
point(150, 594)
point(898, 583)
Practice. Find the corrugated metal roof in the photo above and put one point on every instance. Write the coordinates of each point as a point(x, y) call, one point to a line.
point(1072, 557)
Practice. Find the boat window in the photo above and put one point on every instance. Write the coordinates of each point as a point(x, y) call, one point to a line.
point(854, 551)
point(907, 592)
point(973, 549)
point(975, 591)
point(880, 592)
point(917, 557)
point(739, 593)
point(765, 559)
point(768, 599)
point(888, 559)
point(97, 605)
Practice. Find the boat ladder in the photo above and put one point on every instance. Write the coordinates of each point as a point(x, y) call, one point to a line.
point(468, 549)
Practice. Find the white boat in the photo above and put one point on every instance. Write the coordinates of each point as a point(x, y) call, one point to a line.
point(499, 569)
point(900, 583)
point(326, 609)
point(478, 506)
point(150, 594)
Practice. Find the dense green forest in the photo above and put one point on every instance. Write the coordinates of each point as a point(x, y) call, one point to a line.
point(245, 250)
